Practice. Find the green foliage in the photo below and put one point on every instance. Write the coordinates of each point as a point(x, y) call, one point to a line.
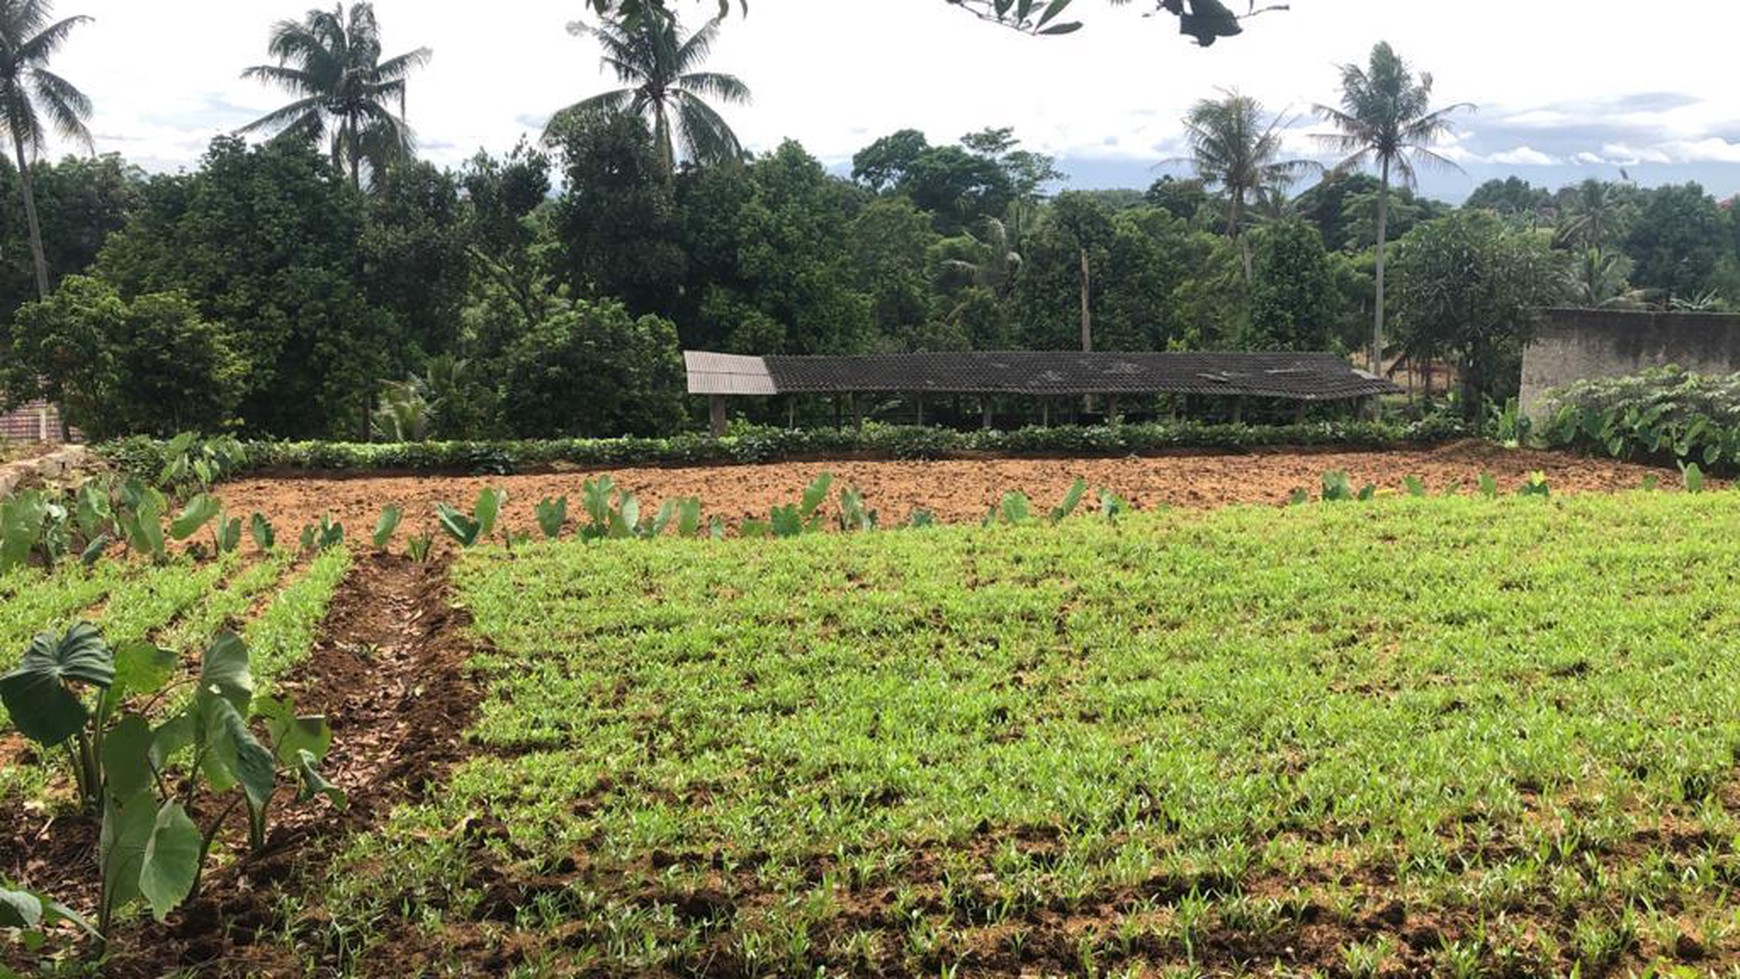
point(1535, 485)
point(419, 547)
point(32, 915)
point(1662, 414)
point(630, 369)
point(1294, 300)
point(552, 516)
point(387, 525)
point(1071, 500)
point(1676, 241)
point(1466, 288)
point(261, 530)
point(1692, 476)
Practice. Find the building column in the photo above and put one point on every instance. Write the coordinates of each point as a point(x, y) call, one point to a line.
point(716, 419)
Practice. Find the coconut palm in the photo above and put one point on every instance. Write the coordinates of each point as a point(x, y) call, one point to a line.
point(1386, 118)
point(331, 60)
point(992, 261)
point(1596, 214)
point(660, 69)
point(1232, 147)
point(34, 100)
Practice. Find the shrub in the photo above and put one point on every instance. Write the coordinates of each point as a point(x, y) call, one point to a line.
point(1665, 414)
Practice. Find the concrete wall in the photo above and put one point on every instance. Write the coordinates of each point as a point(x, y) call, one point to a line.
point(1574, 344)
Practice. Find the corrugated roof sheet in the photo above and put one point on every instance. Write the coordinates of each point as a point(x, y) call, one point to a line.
point(1295, 376)
point(711, 373)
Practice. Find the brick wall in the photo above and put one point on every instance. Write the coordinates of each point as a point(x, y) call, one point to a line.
point(1575, 344)
point(34, 422)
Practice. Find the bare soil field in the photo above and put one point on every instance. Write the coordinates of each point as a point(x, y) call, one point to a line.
point(954, 490)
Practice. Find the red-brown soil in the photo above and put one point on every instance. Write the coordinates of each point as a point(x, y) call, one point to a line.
point(954, 490)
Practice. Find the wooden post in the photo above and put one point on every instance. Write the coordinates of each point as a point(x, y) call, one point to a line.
point(839, 413)
point(1045, 412)
point(921, 411)
point(790, 411)
point(857, 414)
point(1299, 418)
point(716, 419)
point(1111, 409)
point(1239, 410)
point(985, 410)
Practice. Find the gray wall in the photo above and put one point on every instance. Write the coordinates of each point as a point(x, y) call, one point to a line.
point(1573, 344)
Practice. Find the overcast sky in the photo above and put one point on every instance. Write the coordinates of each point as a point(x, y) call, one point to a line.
point(1565, 88)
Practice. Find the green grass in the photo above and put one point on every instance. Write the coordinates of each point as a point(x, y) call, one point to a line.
point(1183, 740)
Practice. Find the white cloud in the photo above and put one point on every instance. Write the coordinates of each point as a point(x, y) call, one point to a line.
point(1523, 156)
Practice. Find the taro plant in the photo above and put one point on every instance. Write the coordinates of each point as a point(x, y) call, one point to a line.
point(259, 528)
point(201, 510)
point(226, 533)
point(1414, 486)
point(70, 691)
point(192, 463)
point(1692, 476)
point(552, 516)
point(140, 517)
point(854, 515)
point(1336, 488)
point(1071, 500)
point(1488, 486)
point(22, 517)
point(32, 914)
point(387, 525)
point(1535, 485)
point(470, 528)
point(1113, 506)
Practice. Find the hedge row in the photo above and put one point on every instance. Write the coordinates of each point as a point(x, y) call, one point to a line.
point(750, 445)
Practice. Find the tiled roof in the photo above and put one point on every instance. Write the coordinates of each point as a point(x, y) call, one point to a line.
point(1294, 376)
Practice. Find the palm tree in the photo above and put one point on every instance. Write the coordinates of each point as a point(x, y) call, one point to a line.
point(1232, 147)
point(34, 100)
point(1386, 118)
point(992, 262)
point(1596, 213)
point(332, 62)
point(659, 65)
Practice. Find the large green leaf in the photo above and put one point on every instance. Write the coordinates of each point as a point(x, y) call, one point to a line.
point(389, 522)
point(261, 530)
point(172, 736)
point(141, 668)
point(171, 861)
point(233, 755)
point(21, 520)
point(200, 511)
point(37, 695)
point(224, 671)
point(121, 847)
point(457, 525)
point(489, 501)
point(291, 734)
point(19, 909)
point(127, 757)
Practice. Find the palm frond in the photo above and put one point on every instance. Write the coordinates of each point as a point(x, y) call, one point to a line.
point(41, 47)
point(725, 88)
point(705, 134)
point(66, 107)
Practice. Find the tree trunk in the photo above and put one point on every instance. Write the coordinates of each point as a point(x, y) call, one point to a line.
point(355, 158)
point(37, 255)
point(1087, 316)
point(1235, 226)
point(1383, 218)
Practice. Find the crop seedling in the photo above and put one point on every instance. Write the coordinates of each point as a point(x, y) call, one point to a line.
point(552, 516)
point(200, 510)
point(192, 463)
point(1415, 486)
point(261, 530)
point(1112, 505)
point(1336, 488)
point(1299, 497)
point(1071, 500)
point(387, 525)
point(460, 526)
point(1535, 485)
point(1692, 476)
point(854, 516)
point(1488, 486)
point(141, 519)
point(226, 533)
point(419, 546)
point(329, 533)
point(150, 846)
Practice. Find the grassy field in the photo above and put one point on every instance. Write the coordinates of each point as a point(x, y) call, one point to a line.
point(1453, 735)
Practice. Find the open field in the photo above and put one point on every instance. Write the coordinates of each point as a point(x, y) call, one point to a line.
point(958, 490)
point(1454, 736)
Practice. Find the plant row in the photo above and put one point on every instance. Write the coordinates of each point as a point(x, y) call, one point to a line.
point(151, 459)
point(1664, 414)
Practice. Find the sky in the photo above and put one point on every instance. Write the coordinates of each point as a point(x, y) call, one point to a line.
point(1565, 89)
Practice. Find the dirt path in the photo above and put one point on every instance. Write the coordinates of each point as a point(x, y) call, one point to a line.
point(954, 490)
point(389, 673)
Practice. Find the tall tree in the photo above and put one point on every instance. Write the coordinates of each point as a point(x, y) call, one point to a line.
point(34, 100)
point(1386, 118)
point(1230, 145)
point(660, 68)
point(1596, 214)
point(331, 61)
